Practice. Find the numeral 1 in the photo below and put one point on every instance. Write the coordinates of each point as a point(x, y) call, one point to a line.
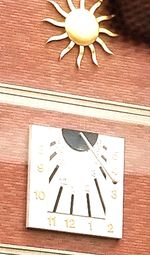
point(90, 225)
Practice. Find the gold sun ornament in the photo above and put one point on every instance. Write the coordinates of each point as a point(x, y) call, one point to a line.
point(82, 28)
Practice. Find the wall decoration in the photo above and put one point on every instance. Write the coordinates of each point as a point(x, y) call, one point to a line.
point(82, 28)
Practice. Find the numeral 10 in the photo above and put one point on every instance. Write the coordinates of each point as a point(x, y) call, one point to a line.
point(39, 195)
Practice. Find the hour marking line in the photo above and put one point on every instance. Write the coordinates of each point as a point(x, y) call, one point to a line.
point(100, 195)
point(104, 147)
point(52, 143)
point(72, 204)
point(53, 155)
point(58, 198)
point(104, 158)
point(88, 204)
point(53, 173)
point(93, 152)
point(102, 171)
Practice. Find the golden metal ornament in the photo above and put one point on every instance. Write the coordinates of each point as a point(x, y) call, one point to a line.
point(82, 28)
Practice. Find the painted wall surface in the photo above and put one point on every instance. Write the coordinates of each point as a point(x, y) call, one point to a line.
point(26, 60)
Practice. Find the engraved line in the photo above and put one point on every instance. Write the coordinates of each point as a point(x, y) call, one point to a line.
point(52, 143)
point(53, 173)
point(53, 155)
point(58, 199)
point(72, 204)
point(102, 171)
point(100, 195)
point(88, 204)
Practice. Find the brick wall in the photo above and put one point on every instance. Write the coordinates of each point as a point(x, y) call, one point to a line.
point(13, 183)
point(27, 60)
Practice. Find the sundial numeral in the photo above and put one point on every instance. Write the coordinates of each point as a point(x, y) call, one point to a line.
point(90, 225)
point(63, 181)
point(40, 167)
point(115, 156)
point(114, 194)
point(40, 149)
point(110, 228)
point(52, 220)
point(115, 172)
point(39, 195)
point(70, 223)
point(93, 173)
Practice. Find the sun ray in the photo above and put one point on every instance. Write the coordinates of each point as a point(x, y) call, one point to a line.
point(95, 6)
point(104, 46)
point(58, 8)
point(93, 52)
point(107, 32)
point(80, 56)
point(105, 17)
point(67, 49)
point(57, 37)
point(71, 5)
point(82, 4)
point(54, 22)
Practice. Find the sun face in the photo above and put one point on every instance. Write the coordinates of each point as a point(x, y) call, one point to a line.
point(82, 28)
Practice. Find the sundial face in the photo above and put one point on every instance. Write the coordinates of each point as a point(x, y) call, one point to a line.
point(75, 182)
